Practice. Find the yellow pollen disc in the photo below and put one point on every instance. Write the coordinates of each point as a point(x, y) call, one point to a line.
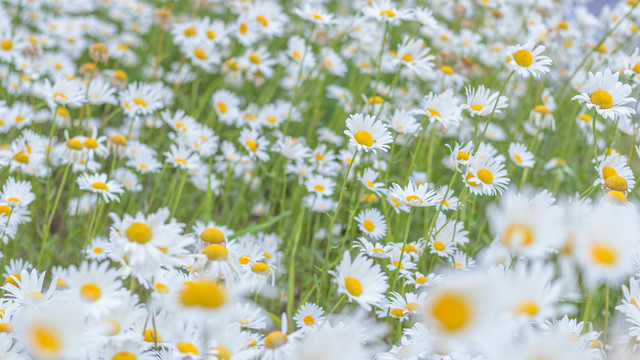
point(518, 158)
point(36, 296)
point(189, 32)
point(212, 235)
point(433, 112)
point(74, 144)
point(6, 45)
point(469, 181)
point(462, 156)
point(407, 58)
point(602, 99)
point(162, 288)
point(98, 185)
point(260, 268)
point(210, 34)
point(61, 96)
point(412, 306)
point(520, 232)
point(139, 232)
point(296, 54)
point(422, 280)
point(223, 352)
point(243, 28)
point(90, 143)
point(397, 264)
point(222, 107)
point(118, 139)
point(368, 225)
point(216, 252)
point(186, 347)
point(124, 355)
point(363, 138)
point(438, 245)
point(11, 279)
point(412, 197)
point(6, 328)
point(523, 58)
point(451, 311)
point(140, 102)
point(636, 68)
point(595, 344)
point(62, 111)
point(45, 339)
point(617, 183)
point(271, 119)
point(485, 176)
point(527, 307)
point(90, 292)
point(370, 184)
point(542, 110)
point(608, 171)
point(253, 146)
point(353, 286)
point(477, 107)
point(112, 326)
point(617, 196)
point(262, 20)
point(447, 70)
point(375, 100)
point(388, 13)
point(152, 336)
point(328, 63)
point(410, 248)
point(319, 188)
point(203, 293)
point(602, 49)
point(254, 58)
point(604, 254)
point(309, 320)
point(120, 75)
point(21, 157)
point(397, 312)
point(275, 339)
point(244, 259)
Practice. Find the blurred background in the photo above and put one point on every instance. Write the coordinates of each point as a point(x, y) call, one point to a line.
point(597, 5)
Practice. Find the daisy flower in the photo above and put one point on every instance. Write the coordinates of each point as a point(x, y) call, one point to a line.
point(320, 185)
point(99, 184)
point(95, 285)
point(402, 306)
point(309, 315)
point(520, 155)
point(67, 93)
point(412, 195)
point(443, 108)
point(360, 280)
point(376, 250)
point(415, 56)
point(614, 172)
point(17, 193)
point(404, 122)
point(255, 144)
point(386, 11)
point(372, 223)
point(366, 133)
point(480, 101)
point(607, 95)
point(526, 59)
point(486, 176)
point(140, 99)
point(368, 179)
point(314, 14)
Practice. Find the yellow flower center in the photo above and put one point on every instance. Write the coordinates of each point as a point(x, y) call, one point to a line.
point(447, 70)
point(438, 245)
point(6, 45)
point(275, 339)
point(262, 20)
point(212, 235)
point(485, 176)
point(6, 328)
point(90, 292)
point(21, 157)
point(636, 68)
point(477, 107)
point(90, 143)
point(353, 286)
point(189, 32)
point(462, 156)
point(617, 196)
point(602, 99)
point(98, 185)
point(363, 138)
point(223, 352)
point(139, 232)
point(243, 28)
point(118, 139)
point(296, 54)
point(309, 320)
point(608, 172)
point(319, 188)
point(186, 347)
point(407, 58)
point(140, 102)
point(60, 95)
point(74, 144)
point(368, 225)
point(398, 312)
point(253, 146)
point(604, 254)
point(412, 197)
point(527, 307)
point(260, 268)
point(388, 13)
point(433, 112)
point(616, 182)
point(46, 339)
point(216, 252)
point(452, 311)
point(518, 232)
point(523, 58)
point(542, 110)
point(254, 58)
point(123, 355)
point(152, 336)
point(203, 293)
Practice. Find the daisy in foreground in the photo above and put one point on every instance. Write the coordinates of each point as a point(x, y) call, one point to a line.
point(365, 133)
point(607, 95)
point(526, 59)
point(360, 280)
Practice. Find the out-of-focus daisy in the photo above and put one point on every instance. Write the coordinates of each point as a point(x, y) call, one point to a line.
point(520, 155)
point(309, 316)
point(481, 101)
point(372, 223)
point(413, 196)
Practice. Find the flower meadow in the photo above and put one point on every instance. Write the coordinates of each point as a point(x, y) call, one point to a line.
point(319, 179)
